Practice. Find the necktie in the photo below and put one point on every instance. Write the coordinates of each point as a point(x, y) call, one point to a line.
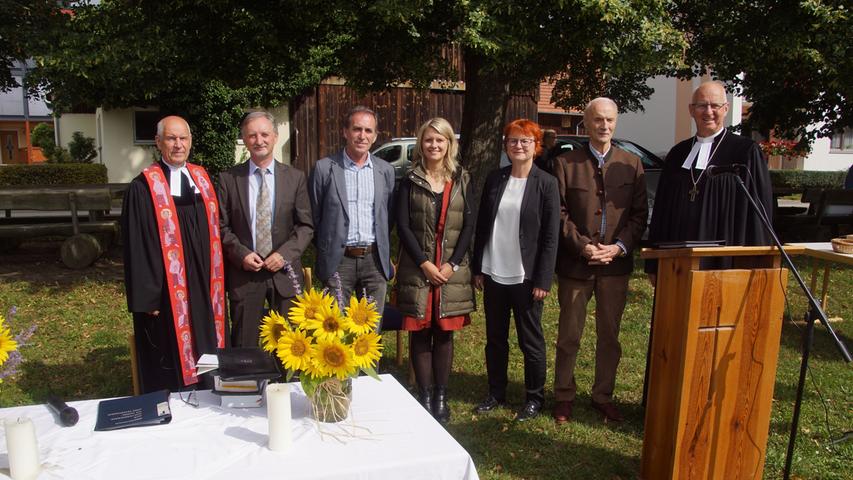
point(263, 217)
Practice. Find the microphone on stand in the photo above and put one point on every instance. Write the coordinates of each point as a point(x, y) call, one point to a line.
point(738, 169)
point(68, 416)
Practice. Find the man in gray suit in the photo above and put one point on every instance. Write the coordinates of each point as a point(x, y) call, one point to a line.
point(266, 224)
point(351, 198)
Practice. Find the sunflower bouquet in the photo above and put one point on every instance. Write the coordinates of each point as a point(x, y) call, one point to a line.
point(326, 344)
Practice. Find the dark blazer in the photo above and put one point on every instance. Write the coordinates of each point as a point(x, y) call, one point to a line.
point(328, 192)
point(540, 223)
point(292, 226)
point(619, 188)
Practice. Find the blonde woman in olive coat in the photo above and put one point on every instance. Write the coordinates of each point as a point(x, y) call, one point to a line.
point(434, 291)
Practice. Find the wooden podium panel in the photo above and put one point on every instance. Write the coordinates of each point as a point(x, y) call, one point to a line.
point(712, 370)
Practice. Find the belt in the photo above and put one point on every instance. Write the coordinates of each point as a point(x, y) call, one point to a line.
point(358, 251)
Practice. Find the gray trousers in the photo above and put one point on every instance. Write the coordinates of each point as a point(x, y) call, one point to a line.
point(362, 276)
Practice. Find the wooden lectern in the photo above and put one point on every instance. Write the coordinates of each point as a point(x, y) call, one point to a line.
point(712, 364)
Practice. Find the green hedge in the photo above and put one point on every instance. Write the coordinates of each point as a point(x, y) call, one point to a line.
point(802, 179)
point(52, 174)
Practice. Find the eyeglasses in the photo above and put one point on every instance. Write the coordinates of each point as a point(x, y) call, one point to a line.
point(191, 400)
point(705, 106)
point(524, 142)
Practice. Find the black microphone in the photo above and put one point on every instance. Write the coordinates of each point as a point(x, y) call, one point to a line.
point(735, 168)
point(67, 415)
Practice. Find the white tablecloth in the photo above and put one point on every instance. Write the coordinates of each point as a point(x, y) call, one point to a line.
point(394, 438)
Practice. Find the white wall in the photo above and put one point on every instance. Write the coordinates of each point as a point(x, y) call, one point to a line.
point(116, 150)
point(821, 158)
point(654, 128)
point(68, 123)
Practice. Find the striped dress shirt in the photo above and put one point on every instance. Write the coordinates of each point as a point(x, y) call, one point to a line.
point(360, 188)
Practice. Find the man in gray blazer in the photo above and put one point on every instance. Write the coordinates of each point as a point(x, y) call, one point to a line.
point(351, 197)
point(266, 224)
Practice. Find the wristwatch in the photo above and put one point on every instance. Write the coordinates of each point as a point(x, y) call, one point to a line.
point(454, 266)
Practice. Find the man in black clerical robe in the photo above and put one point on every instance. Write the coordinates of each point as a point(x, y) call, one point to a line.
point(172, 296)
point(693, 204)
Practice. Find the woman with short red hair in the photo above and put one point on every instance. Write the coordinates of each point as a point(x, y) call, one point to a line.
point(515, 250)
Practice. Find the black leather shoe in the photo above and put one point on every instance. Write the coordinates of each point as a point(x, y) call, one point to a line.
point(440, 409)
point(425, 399)
point(528, 411)
point(489, 404)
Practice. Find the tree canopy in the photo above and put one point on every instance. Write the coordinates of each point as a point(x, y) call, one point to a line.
point(205, 59)
point(590, 47)
point(210, 59)
point(22, 27)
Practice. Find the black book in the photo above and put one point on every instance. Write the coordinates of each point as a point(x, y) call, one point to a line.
point(691, 244)
point(247, 364)
point(139, 411)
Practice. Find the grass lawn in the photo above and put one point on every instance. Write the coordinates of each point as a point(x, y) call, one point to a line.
point(80, 351)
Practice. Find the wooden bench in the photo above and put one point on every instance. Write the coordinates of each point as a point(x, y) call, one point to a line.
point(86, 241)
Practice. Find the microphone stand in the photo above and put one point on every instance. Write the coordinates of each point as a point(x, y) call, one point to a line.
point(815, 312)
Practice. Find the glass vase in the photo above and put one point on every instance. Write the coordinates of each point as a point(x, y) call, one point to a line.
point(330, 400)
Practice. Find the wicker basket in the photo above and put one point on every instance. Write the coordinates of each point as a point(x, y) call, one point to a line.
point(843, 245)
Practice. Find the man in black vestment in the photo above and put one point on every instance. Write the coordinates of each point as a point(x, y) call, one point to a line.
point(169, 340)
point(692, 203)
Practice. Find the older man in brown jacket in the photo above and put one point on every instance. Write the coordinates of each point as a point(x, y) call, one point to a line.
point(603, 215)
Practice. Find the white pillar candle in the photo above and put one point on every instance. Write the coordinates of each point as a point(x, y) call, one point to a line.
point(278, 415)
point(22, 447)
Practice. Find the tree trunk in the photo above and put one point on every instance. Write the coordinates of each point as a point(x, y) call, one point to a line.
point(486, 99)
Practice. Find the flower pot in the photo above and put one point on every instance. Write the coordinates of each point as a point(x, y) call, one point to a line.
point(331, 399)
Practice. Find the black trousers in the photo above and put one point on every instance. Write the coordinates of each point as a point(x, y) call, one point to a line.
point(498, 301)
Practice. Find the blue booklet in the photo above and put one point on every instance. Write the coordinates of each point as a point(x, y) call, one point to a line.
point(139, 411)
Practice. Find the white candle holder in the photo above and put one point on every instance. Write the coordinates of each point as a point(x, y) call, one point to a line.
point(278, 415)
point(23, 448)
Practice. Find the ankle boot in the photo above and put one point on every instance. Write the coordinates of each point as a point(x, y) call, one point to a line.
point(440, 409)
point(425, 398)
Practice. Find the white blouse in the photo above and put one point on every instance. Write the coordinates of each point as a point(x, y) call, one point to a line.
point(502, 256)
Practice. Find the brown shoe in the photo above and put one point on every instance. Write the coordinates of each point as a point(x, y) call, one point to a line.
point(562, 412)
point(608, 411)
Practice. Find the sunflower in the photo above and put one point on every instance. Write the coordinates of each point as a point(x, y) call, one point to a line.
point(273, 326)
point(365, 350)
point(7, 342)
point(294, 350)
point(328, 323)
point(362, 316)
point(333, 359)
point(306, 306)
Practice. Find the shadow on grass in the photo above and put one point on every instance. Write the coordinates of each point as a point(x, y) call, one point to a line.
point(38, 264)
point(103, 373)
point(540, 451)
point(823, 348)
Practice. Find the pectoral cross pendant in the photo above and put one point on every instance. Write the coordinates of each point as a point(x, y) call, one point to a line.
point(693, 192)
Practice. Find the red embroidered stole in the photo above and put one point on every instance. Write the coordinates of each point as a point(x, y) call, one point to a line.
point(171, 245)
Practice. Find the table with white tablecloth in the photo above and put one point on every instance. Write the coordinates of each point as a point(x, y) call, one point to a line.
point(387, 436)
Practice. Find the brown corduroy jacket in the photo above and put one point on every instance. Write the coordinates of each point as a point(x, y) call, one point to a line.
point(619, 189)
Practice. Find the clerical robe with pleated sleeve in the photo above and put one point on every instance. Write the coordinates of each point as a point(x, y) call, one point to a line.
point(173, 266)
point(693, 204)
